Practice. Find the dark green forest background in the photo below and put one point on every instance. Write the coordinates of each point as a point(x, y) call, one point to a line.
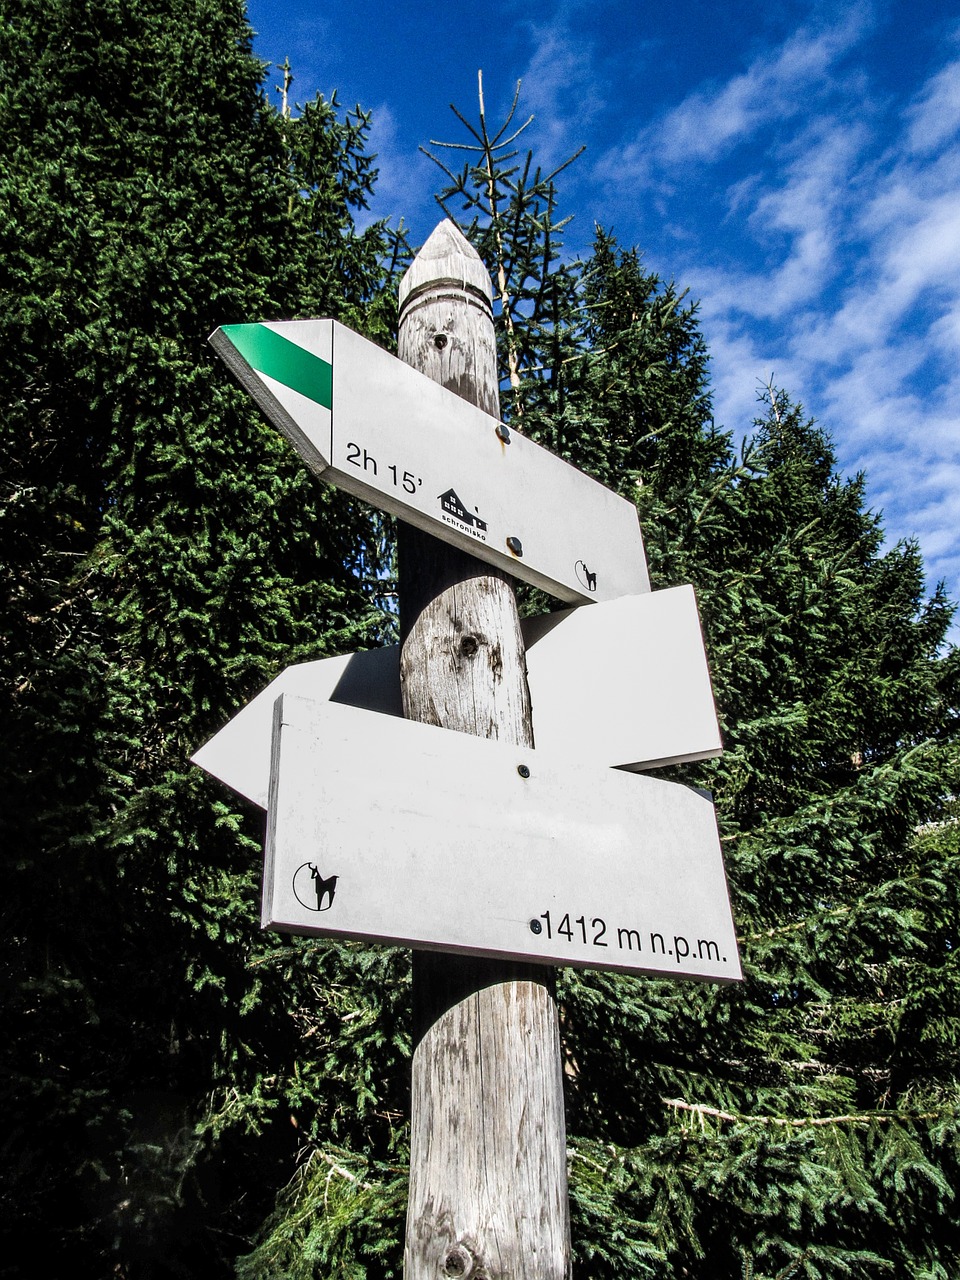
point(184, 1095)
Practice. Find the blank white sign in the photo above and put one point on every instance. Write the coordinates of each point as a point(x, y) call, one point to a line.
point(387, 830)
point(623, 684)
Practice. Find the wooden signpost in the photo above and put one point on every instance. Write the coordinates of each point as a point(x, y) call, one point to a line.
point(488, 1152)
point(498, 859)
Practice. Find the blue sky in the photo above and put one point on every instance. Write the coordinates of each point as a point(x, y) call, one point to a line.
point(795, 165)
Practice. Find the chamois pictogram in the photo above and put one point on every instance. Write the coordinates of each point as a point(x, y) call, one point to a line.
point(323, 887)
point(587, 576)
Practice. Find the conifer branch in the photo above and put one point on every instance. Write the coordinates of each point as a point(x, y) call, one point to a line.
point(702, 1110)
point(339, 1170)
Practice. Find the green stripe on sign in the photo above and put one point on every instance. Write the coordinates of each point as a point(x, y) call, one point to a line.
point(267, 352)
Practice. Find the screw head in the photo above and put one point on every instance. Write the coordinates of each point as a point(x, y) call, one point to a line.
point(523, 771)
point(536, 926)
point(515, 545)
point(503, 432)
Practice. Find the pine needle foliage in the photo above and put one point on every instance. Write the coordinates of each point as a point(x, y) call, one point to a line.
point(163, 556)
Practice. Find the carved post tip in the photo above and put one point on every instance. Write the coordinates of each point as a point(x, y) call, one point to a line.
point(446, 240)
point(447, 260)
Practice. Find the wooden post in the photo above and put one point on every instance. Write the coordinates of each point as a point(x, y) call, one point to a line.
point(488, 1174)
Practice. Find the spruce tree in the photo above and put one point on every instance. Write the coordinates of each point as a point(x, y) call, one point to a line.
point(799, 1124)
point(163, 557)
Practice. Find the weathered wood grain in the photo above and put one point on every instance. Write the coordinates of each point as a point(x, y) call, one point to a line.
point(488, 1184)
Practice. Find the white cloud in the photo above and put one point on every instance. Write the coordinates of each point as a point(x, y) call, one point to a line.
point(935, 116)
point(404, 177)
point(856, 308)
point(814, 212)
point(799, 206)
point(779, 85)
point(560, 89)
point(565, 90)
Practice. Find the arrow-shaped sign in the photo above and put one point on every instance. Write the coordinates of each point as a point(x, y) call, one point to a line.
point(385, 829)
point(372, 425)
point(623, 684)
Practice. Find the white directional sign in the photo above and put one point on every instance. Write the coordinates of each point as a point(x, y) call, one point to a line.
point(370, 424)
point(625, 684)
point(389, 830)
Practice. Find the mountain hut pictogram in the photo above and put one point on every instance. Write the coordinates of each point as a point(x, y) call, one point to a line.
point(452, 505)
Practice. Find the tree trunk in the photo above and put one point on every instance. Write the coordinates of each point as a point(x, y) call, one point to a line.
point(488, 1176)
